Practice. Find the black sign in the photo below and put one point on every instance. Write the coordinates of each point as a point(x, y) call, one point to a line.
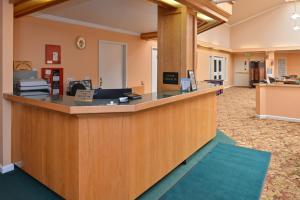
point(170, 78)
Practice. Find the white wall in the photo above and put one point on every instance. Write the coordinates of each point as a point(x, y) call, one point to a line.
point(218, 36)
point(269, 30)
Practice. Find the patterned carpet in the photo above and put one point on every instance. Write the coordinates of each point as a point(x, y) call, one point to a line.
point(236, 117)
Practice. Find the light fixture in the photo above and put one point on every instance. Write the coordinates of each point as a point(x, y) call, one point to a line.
point(296, 28)
point(171, 3)
point(204, 17)
point(295, 14)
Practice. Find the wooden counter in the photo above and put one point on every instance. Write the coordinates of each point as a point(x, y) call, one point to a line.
point(94, 152)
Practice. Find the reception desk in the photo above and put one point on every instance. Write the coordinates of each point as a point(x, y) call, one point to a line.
point(93, 151)
point(278, 101)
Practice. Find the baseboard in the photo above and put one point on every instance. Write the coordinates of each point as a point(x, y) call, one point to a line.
point(288, 119)
point(6, 168)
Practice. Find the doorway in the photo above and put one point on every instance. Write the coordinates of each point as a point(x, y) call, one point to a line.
point(241, 68)
point(112, 65)
point(154, 70)
point(217, 68)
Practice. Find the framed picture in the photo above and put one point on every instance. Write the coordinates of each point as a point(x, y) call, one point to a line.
point(22, 65)
point(52, 54)
point(191, 76)
point(185, 84)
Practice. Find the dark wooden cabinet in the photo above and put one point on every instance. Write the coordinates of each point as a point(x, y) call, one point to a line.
point(257, 72)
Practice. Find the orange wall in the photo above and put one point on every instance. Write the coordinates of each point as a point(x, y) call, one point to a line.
point(203, 64)
point(292, 61)
point(31, 34)
point(278, 100)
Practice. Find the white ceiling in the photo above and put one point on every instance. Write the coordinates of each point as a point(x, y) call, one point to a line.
point(131, 15)
point(140, 16)
point(244, 9)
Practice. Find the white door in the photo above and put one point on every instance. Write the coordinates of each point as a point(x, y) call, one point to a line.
point(241, 74)
point(112, 65)
point(218, 68)
point(154, 70)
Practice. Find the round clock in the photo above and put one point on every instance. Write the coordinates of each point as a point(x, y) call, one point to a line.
point(80, 43)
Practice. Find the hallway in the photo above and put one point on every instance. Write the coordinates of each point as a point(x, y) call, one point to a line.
point(236, 117)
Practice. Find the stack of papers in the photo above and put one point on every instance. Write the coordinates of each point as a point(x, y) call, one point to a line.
point(32, 87)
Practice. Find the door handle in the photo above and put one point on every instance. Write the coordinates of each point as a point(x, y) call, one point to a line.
point(100, 82)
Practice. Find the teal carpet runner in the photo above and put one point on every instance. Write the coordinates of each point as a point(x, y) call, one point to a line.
point(216, 171)
point(227, 173)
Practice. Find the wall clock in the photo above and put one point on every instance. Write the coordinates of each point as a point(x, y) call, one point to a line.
point(80, 42)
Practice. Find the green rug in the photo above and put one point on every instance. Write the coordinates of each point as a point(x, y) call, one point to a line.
point(227, 173)
point(17, 185)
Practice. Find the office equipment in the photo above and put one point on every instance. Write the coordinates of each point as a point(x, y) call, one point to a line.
point(55, 80)
point(133, 96)
point(111, 93)
point(123, 99)
point(75, 85)
point(32, 87)
point(22, 75)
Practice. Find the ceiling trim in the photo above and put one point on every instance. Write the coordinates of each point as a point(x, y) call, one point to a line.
point(255, 15)
point(209, 45)
point(83, 23)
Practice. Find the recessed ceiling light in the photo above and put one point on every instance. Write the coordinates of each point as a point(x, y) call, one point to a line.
point(295, 16)
point(296, 28)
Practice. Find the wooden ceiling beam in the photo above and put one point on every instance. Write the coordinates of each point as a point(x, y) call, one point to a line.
point(207, 8)
point(208, 26)
point(26, 7)
point(149, 36)
point(162, 4)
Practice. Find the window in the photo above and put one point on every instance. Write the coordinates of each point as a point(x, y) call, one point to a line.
point(218, 68)
point(282, 71)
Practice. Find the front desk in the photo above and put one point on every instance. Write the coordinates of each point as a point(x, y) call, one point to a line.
point(93, 151)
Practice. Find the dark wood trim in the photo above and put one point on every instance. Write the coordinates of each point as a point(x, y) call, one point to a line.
point(149, 36)
point(162, 4)
point(26, 7)
point(209, 26)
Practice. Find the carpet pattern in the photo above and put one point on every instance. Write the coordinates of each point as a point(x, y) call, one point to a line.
point(236, 117)
point(228, 172)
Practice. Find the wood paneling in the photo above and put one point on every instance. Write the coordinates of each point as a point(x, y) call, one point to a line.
point(46, 143)
point(110, 156)
point(138, 149)
point(176, 43)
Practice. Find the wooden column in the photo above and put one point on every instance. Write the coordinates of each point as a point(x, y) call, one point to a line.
point(177, 40)
point(6, 82)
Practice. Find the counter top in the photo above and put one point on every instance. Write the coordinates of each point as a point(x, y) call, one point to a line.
point(278, 85)
point(67, 104)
